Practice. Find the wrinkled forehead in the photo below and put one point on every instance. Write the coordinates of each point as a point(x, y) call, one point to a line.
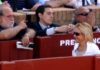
point(7, 10)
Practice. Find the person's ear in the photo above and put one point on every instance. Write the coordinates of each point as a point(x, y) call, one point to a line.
point(40, 15)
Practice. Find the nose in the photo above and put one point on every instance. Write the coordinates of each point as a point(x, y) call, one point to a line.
point(52, 15)
point(11, 18)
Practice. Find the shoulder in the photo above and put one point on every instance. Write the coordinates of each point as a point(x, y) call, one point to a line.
point(91, 44)
point(34, 24)
point(93, 47)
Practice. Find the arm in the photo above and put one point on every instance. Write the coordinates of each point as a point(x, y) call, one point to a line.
point(52, 30)
point(30, 33)
point(57, 3)
point(26, 38)
point(33, 4)
point(10, 32)
point(40, 32)
point(57, 29)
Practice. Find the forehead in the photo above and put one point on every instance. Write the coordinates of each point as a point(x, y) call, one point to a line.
point(48, 10)
point(82, 10)
point(7, 10)
point(77, 29)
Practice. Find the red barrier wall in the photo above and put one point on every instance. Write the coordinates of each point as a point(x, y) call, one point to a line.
point(57, 63)
point(97, 62)
point(65, 63)
point(8, 51)
point(57, 45)
point(7, 65)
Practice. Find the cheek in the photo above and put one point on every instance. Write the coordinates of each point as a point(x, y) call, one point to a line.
point(80, 18)
point(79, 38)
point(47, 20)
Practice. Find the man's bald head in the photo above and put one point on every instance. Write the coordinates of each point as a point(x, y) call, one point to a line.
point(82, 10)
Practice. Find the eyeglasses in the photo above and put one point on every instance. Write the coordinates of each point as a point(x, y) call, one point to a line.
point(76, 33)
point(85, 14)
point(9, 16)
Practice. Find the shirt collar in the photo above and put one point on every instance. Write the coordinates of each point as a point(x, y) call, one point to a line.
point(43, 26)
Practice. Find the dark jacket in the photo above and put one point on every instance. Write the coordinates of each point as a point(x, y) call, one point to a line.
point(39, 30)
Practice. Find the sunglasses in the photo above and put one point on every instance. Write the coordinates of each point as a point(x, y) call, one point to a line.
point(76, 33)
point(83, 14)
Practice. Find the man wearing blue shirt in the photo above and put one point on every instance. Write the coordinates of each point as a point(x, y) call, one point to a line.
point(43, 1)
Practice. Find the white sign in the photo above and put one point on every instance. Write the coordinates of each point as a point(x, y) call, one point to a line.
point(71, 42)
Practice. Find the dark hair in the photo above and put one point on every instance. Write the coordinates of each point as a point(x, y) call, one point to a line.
point(41, 10)
point(1, 10)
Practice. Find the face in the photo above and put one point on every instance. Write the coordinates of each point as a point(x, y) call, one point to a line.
point(47, 16)
point(81, 17)
point(91, 19)
point(7, 18)
point(82, 14)
point(78, 35)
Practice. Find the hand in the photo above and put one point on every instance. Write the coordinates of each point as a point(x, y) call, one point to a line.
point(25, 40)
point(22, 24)
point(62, 28)
point(71, 28)
point(35, 6)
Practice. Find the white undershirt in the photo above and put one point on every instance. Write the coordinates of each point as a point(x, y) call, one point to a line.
point(49, 31)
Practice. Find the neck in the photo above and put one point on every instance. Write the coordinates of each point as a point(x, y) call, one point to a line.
point(82, 46)
point(43, 23)
point(82, 43)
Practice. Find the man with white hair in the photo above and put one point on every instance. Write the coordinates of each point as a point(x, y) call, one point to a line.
point(10, 30)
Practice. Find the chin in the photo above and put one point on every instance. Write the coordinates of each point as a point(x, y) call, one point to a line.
point(49, 23)
point(77, 41)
